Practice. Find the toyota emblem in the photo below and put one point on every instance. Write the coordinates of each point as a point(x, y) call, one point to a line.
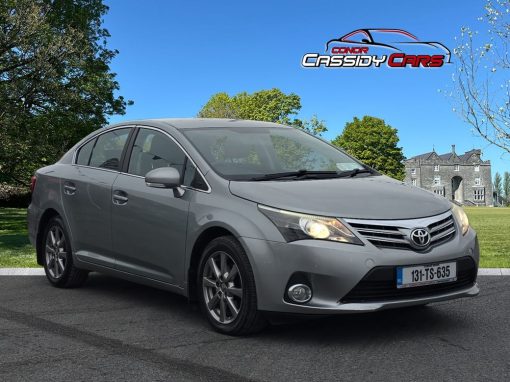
point(420, 238)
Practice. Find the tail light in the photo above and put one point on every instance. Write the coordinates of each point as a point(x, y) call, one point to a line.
point(32, 183)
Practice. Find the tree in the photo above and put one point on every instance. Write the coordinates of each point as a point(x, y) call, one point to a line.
point(498, 187)
point(265, 105)
point(55, 82)
point(506, 187)
point(481, 83)
point(220, 105)
point(374, 142)
point(313, 126)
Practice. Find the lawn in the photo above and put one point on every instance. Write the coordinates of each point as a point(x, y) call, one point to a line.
point(15, 249)
point(492, 225)
point(493, 228)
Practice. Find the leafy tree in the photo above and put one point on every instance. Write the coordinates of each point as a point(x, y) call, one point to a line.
point(506, 187)
point(374, 142)
point(55, 82)
point(265, 105)
point(313, 126)
point(498, 187)
point(220, 105)
point(481, 83)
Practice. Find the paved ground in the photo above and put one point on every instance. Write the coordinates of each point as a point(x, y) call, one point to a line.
point(115, 330)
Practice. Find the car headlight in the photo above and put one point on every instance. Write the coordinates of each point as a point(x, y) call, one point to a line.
point(461, 218)
point(296, 226)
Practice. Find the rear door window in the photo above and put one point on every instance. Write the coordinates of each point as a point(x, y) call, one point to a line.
point(108, 149)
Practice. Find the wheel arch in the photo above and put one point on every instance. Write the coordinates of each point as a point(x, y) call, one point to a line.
point(204, 238)
point(47, 215)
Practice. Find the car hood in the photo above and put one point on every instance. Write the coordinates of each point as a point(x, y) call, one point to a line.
point(374, 197)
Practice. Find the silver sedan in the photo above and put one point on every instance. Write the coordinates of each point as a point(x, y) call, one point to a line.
point(246, 218)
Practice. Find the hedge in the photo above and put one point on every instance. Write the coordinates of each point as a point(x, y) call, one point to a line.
point(14, 196)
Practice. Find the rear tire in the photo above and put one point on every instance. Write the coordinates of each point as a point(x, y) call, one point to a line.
point(58, 257)
point(226, 288)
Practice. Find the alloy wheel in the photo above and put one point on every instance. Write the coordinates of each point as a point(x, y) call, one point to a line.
point(222, 287)
point(55, 251)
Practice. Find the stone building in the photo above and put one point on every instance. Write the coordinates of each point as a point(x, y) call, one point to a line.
point(465, 178)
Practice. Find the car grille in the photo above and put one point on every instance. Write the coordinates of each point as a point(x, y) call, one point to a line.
point(391, 234)
point(380, 284)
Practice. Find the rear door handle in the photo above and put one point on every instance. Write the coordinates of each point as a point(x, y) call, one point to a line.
point(119, 197)
point(69, 188)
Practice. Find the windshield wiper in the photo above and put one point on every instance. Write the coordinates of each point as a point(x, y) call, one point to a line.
point(353, 173)
point(300, 174)
point(309, 174)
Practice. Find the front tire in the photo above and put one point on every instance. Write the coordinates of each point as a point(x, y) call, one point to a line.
point(58, 258)
point(226, 288)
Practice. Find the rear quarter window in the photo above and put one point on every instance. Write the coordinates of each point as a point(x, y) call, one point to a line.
point(83, 157)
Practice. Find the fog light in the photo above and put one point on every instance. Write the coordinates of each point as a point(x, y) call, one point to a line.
point(300, 293)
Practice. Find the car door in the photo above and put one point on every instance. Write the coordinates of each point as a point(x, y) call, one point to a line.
point(86, 194)
point(149, 224)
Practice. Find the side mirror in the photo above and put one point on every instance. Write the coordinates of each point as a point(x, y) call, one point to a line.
point(163, 177)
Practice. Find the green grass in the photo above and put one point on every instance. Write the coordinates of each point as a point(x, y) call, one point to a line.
point(492, 225)
point(493, 228)
point(15, 249)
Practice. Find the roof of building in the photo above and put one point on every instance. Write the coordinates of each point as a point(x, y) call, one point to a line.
point(423, 156)
point(445, 157)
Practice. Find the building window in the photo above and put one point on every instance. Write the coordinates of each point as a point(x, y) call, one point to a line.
point(413, 171)
point(439, 191)
point(414, 182)
point(478, 181)
point(437, 180)
point(479, 194)
point(457, 167)
point(477, 167)
point(436, 167)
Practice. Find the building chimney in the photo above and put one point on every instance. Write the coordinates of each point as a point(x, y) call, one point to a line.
point(453, 150)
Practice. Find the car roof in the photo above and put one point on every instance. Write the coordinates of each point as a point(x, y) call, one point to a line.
point(189, 123)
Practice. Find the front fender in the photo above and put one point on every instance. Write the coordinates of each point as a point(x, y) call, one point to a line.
point(238, 216)
point(242, 218)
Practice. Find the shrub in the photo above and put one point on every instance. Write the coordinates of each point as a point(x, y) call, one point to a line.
point(14, 196)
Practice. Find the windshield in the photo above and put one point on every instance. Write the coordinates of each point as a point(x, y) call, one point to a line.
point(244, 153)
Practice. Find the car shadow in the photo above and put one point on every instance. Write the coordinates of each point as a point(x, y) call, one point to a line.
point(404, 323)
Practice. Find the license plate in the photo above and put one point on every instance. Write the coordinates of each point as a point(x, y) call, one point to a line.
point(419, 275)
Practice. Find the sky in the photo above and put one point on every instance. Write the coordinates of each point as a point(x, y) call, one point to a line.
point(173, 55)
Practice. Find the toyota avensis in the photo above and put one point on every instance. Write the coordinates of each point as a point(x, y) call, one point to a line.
point(246, 217)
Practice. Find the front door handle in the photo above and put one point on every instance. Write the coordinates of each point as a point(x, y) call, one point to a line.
point(119, 197)
point(69, 188)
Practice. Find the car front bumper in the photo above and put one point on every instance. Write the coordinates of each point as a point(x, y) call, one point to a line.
point(335, 269)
